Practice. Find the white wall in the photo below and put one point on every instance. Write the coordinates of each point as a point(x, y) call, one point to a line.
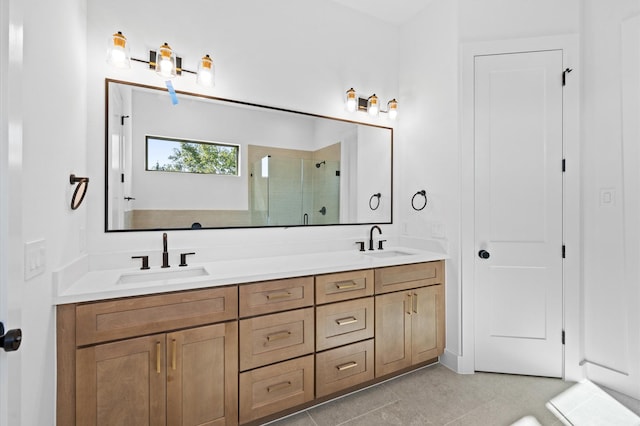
point(427, 142)
point(262, 56)
point(611, 231)
point(48, 130)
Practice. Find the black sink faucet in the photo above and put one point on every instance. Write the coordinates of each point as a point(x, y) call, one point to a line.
point(165, 252)
point(371, 235)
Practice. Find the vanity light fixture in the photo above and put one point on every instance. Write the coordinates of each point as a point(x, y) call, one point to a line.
point(118, 51)
point(370, 105)
point(164, 61)
point(206, 72)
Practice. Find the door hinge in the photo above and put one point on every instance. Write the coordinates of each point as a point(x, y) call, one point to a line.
point(564, 165)
point(564, 75)
point(563, 337)
point(564, 251)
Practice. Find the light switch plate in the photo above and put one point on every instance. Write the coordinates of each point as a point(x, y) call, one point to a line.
point(35, 259)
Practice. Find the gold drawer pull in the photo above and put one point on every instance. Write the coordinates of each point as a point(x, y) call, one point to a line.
point(415, 303)
point(158, 354)
point(343, 285)
point(275, 296)
point(278, 336)
point(347, 366)
point(174, 349)
point(278, 387)
point(346, 321)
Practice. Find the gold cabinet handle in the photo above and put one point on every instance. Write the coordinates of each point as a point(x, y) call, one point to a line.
point(276, 296)
point(343, 285)
point(278, 336)
point(415, 303)
point(278, 387)
point(173, 353)
point(346, 321)
point(347, 366)
point(409, 308)
point(158, 355)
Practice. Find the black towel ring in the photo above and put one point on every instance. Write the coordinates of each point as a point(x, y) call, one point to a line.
point(413, 200)
point(378, 195)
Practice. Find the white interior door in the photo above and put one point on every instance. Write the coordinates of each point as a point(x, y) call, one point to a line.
point(518, 213)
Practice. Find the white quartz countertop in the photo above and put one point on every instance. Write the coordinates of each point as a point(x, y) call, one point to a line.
point(107, 284)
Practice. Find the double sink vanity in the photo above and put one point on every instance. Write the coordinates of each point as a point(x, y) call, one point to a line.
point(243, 341)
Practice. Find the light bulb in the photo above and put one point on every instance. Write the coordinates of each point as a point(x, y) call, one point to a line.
point(372, 105)
point(392, 109)
point(352, 103)
point(165, 62)
point(206, 74)
point(118, 51)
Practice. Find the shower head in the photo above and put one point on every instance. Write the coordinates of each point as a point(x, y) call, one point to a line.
point(320, 164)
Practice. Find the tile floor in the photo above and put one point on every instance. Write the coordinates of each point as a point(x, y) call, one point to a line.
point(436, 395)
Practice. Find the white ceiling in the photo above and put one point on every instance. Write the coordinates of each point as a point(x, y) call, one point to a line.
point(392, 11)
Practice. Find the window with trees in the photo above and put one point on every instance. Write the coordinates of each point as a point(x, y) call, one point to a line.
point(190, 156)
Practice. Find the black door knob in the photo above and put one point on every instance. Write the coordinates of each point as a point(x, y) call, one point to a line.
point(483, 254)
point(11, 341)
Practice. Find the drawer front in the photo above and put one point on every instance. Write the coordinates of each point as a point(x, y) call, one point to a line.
point(271, 389)
point(344, 367)
point(404, 277)
point(343, 286)
point(345, 322)
point(136, 316)
point(274, 296)
point(276, 337)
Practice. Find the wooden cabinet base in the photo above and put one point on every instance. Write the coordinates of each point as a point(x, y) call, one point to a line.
point(271, 389)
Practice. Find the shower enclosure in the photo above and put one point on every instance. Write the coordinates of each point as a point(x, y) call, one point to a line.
point(287, 191)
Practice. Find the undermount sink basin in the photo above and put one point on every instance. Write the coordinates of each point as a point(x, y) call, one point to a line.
point(146, 276)
point(388, 253)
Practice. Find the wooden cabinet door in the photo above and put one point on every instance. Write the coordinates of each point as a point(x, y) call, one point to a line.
point(122, 383)
point(393, 332)
point(427, 323)
point(202, 375)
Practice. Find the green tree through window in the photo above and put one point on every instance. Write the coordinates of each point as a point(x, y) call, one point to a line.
point(186, 156)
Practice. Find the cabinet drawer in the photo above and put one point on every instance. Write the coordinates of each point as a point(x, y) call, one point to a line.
point(343, 286)
point(345, 322)
point(267, 390)
point(344, 367)
point(273, 296)
point(276, 337)
point(136, 316)
point(403, 277)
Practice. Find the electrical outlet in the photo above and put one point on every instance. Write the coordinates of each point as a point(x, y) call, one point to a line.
point(35, 259)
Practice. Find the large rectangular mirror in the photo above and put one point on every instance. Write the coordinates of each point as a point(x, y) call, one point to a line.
point(206, 162)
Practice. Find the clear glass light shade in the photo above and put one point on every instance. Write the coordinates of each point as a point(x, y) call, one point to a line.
point(352, 100)
point(373, 106)
point(206, 72)
point(118, 51)
point(166, 62)
point(392, 109)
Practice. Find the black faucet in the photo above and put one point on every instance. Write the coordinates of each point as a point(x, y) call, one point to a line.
point(371, 235)
point(165, 253)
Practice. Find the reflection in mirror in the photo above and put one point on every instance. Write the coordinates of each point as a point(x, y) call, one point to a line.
point(291, 168)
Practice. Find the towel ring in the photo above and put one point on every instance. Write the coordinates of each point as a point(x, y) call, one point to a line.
point(413, 200)
point(377, 195)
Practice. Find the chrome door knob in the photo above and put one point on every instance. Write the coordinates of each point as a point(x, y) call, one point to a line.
point(483, 254)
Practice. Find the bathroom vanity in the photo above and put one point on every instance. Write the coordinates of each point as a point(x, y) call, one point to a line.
point(244, 351)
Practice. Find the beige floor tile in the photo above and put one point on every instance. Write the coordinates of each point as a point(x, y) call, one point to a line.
point(352, 406)
point(399, 413)
point(298, 419)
